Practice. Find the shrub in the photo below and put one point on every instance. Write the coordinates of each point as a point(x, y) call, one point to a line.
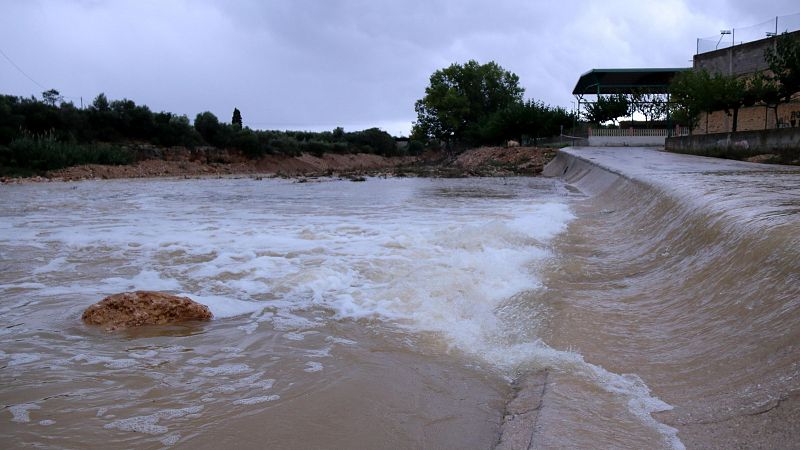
point(415, 147)
point(316, 148)
point(43, 152)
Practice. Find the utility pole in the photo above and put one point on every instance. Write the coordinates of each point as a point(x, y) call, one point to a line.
point(733, 44)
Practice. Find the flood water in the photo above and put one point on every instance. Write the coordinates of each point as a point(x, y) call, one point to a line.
point(393, 313)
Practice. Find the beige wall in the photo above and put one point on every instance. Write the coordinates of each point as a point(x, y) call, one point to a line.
point(744, 61)
point(752, 118)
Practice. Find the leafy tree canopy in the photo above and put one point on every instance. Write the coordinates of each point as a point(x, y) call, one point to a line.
point(529, 119)
point(236, 120)
point(51, 97)
point(784, 62)
point(694, 92)
point(100, 102)
point(207, 124)
point(607, 108)
point(460, 97)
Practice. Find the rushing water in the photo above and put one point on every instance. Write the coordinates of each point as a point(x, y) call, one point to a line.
point(385, 314)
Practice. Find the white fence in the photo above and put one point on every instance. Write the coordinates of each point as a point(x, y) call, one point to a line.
point(633, 137)
point(617, 132)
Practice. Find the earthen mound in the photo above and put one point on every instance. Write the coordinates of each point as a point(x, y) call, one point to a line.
point(133, 309)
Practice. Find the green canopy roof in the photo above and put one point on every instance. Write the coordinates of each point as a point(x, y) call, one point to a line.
point(625, 81)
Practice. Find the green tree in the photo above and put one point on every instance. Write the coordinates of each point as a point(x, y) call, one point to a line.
point(373, 140)
point(531, 119)
point(207, 124)
point(765, 90)
point(697, 91)
point(690, 96)
point(236, 120)
point(784, 62)
point(51, 97)
point(651, 105)
point(100, 103)
point(607, 108)
point(728, 94)
point(460, 97)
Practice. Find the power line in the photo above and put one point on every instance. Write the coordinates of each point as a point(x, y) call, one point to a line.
point(20, 70)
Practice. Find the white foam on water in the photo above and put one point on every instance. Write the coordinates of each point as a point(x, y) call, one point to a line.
point(294, 336)
point(249, 382)
point(47, 422)
point(52, 265)
point(198, 360)
point(147, 354)
point(171, 440)
point(250, 328)
point(149, 280)
point(264, 384)
point(313, 366)
point(324, 352)
point(257, 400)
point(286, 321)
point(338, 340)
point(18, 359)
point(21, 413)
point(111, 363)
point(226, 369)
point(435, 265)
point(225, 307)
point(23, 285)
point(630, 387)
point(149, 424)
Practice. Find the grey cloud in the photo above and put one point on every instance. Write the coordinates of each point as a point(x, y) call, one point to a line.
point(318, 64)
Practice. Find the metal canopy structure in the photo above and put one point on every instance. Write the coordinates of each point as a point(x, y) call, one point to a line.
point(625, 81)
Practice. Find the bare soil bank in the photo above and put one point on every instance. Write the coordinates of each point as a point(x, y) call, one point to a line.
point(484, 161)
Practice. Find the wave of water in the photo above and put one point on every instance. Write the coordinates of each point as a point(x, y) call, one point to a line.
point(464, 263)
point(442, 267)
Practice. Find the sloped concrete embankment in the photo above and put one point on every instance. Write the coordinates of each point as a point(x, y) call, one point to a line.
point(704, 255)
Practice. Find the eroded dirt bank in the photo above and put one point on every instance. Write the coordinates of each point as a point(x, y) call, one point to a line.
point(484, 161)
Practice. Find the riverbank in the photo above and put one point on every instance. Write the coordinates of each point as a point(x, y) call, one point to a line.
point(484, 161)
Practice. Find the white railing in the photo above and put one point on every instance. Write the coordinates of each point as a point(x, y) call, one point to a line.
point(644, 132)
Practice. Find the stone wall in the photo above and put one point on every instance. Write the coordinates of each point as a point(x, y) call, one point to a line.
point(784, 143)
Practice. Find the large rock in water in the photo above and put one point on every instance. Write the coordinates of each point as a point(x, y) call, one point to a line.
point(133, 309)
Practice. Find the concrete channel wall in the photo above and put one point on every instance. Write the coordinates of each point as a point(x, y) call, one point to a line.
point(784, 141)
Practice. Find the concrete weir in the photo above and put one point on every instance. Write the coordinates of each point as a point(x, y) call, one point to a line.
point(703, 181)
point(705, 305)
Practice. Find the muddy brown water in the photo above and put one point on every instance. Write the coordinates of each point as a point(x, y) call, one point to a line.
point(398, 313)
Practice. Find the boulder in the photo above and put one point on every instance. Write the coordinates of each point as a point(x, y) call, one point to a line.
point(133, 309)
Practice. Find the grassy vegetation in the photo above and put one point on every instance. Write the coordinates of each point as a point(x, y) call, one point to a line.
point(31, 154)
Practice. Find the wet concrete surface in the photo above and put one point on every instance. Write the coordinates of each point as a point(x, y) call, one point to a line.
point(746, 191)
point(752, 203)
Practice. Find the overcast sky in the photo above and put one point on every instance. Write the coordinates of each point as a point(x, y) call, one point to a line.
point(320, 64)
